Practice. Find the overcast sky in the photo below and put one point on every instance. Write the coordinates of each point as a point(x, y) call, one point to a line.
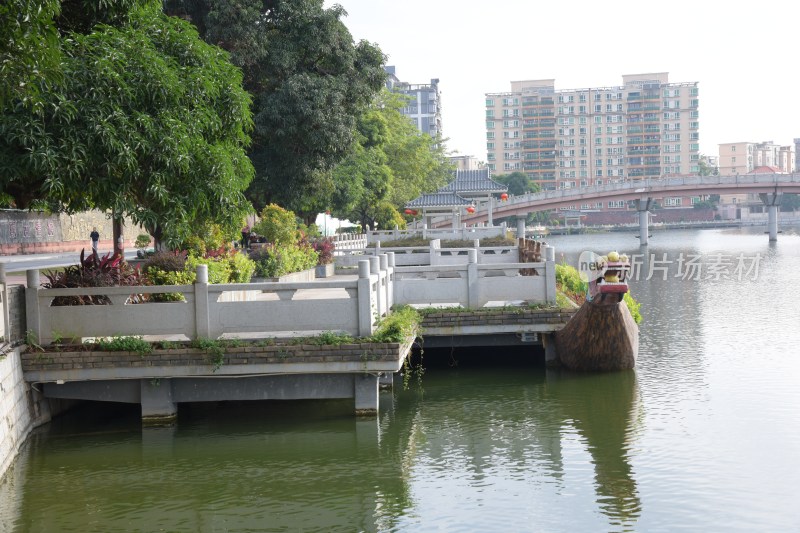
point(744, 54)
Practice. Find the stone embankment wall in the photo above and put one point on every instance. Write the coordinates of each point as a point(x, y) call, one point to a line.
point(33, 232)
point(20, 410)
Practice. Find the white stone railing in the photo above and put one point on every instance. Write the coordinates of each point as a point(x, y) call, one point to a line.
point(462, 233)
point(473, 285)
point(433, 254)
point(214, 311)
point(348, 241)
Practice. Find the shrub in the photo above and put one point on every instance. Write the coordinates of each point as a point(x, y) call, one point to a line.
point(241, 268)
point(166, 261)
point(277, 225)
point(218, 268)
point(273, 261)
point(93, 271)
point(164, 277)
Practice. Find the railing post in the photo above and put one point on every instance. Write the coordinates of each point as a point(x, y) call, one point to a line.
point(364, 299)
point(390, 279)
point(201, 314)
point(473, 282)
point(384, 284)
point(550, 273)
point(433, 246)
point(32, 319)
point(375, 269)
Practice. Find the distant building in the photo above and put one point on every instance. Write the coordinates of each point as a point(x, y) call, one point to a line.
point(424, 106)
point(645, 128)
point(752, 158)
point(466, 162)
point(744, 157)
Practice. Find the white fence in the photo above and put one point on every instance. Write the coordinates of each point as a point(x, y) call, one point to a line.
point(351, 306)
point(475, 285)
point(212, 311)
point(463, 233)
point(345, 241)
point(432, 255)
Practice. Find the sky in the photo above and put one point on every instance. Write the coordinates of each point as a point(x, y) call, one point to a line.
point(742, 54)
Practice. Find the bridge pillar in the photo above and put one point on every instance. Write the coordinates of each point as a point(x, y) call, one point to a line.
point(772, 201)
point(643, 207)
point(158, 408)
point(520, 228)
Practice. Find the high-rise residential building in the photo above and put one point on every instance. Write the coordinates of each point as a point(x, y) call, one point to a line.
point(562, 138)
point(424, 105)
point(744, 157)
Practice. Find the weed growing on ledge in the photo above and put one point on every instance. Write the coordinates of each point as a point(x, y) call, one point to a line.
point(124, 344)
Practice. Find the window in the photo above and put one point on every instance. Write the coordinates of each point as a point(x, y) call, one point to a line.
point(490, 146)
point(489, 102)
point(598, 108)
point(616, 204)
point(490, 113)
point(490, 135)
point(490, 124)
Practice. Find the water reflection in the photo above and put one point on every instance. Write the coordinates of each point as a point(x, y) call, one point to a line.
point(604, 408)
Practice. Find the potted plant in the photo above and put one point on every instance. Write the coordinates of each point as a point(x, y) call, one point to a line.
point(141, 244)
point(324, 248)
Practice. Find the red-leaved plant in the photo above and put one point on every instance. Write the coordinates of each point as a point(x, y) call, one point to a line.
point(94, 271)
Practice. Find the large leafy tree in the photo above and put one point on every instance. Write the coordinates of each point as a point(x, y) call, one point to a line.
point(390, 163)
point(517, 183)
point(309, 80)
point(146, 120)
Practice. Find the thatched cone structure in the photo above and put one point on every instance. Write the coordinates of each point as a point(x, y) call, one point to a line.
point(599, 337)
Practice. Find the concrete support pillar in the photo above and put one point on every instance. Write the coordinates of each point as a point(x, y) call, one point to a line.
point(550, 354)
point(520, 228)
point(773, 222)
point(158, 408)
point(772, 201)
point(366, 394)
point(644, 228)
point(490, 220)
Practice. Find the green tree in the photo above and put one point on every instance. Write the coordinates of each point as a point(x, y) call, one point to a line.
point(706, 169)
point(390, 163)
point(310, 82)
point(29, 49)
point(517, 183)
point(147, 120)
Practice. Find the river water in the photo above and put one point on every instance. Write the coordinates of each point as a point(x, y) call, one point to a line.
point(703, 436)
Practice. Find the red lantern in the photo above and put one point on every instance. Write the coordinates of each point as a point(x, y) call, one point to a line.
point(414, 212)
point(504, 197)
point(408, 211)
point(470, 210)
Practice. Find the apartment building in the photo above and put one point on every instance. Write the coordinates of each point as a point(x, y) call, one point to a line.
point(466, 162)
point(562, 138)
point(744, 157)
point(424, 105)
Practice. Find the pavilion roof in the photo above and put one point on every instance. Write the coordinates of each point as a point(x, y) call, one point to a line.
point(472, 182)
point(438, 199)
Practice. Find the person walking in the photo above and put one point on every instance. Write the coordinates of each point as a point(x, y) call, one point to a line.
point(246, 236)
point(95, 236)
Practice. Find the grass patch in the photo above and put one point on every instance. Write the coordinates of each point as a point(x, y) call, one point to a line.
point(124, 344)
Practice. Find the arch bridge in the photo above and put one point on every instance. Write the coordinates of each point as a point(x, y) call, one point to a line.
point(643, 192)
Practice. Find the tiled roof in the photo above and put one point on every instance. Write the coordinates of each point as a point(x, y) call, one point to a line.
point(471, 181)
point(438, 199)
point(766, 170)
